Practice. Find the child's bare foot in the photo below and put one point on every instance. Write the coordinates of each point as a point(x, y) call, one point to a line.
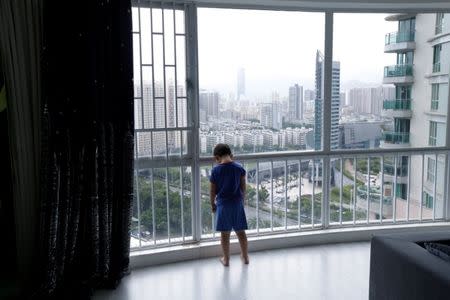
point(245, 259)
point(225, 261)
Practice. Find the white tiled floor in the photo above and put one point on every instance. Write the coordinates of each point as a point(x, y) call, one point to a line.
point(338, 271)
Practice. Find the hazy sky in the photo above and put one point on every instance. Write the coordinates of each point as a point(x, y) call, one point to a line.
point(277, 49)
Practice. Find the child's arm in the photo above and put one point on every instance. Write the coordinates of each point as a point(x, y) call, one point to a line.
point(243, 187)
point(212, 196)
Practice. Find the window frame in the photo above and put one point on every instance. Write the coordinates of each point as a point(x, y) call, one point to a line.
point(435, 96)
point(195, 159)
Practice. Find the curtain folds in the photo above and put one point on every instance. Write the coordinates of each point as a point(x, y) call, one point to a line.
point(20, 51)
point(87, 147)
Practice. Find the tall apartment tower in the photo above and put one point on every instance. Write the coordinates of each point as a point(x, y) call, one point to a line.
point(270, 115)
point(240, 83)
point(295, 103)
point(209, 105)
point(419, 109)
point(335, 101)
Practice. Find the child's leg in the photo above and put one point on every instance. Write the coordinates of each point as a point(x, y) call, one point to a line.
point(225, 242)
point(244, 245)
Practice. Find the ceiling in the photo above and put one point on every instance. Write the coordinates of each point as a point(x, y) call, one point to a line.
point(335, 5)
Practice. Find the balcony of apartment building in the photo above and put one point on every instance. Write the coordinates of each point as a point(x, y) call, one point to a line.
point(394, 139)
point(398, 74)
point(397, 108)
point(399, 41)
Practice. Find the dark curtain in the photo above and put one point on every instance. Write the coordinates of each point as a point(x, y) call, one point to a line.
point(87, 146)
point(7, 232)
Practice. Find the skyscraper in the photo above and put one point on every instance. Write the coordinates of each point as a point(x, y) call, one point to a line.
point(370, 100)
point(209, 105)
point(240, 83)
point(295, 104)
point(270, 115)
point(418, 109)
point(335, 101)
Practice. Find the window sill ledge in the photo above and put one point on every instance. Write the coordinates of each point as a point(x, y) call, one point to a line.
point(205, 249)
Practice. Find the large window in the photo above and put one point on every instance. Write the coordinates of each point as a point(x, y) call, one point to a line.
point(437, 58)
point(435, 96)
point(162, 210)
point(431, 169)
point(439, 22)
point(261, 77)
point(433, 133)
point(328, 138)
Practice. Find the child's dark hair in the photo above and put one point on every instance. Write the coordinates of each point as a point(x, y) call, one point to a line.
point(222, 150)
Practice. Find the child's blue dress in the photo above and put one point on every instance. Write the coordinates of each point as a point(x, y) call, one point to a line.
point(230, 213)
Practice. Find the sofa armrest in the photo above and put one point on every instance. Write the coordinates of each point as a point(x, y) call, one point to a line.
point(400, 269)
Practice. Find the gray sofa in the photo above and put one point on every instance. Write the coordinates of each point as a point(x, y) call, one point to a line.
point(400, 268)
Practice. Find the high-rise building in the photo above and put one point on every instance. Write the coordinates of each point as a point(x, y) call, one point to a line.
point(209, 105)
point(240, 84)
point(335, 102)
point(270, 115)
point(369, 100)
point(158, 112)
point(421, 73)
point(310, 95)
point(295, 103)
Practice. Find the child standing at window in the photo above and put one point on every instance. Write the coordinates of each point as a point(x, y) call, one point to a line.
point(227, 192)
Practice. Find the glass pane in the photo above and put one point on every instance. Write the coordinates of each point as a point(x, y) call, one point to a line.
point(293, 199)
point(175, 198)
point(169, 37)
point(136, 66)
point(383, 100)
point(264, 194)
point(147, 94)
point(146, 36)
point(171, 105)
point(279, 194)
point(160, 202)
point(259, 96)
point(157, 20)
point(360, 166)
point(335, 191)
point(137, 114)
point(179, 21)
point(135, 231)
point(415, 186)
point(187, 200)
point(146, 211)
point(158, 65)
point(144, 144)
point(159, 144)
point(181, 66)
point(135, 18)
point(206, 214)
point(250, 195)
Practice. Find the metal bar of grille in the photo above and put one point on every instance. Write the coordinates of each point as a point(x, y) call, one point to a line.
point(257, 197)
point(285, 193)
point(313, 195)
point(368, 190)
point(354, 190)
point(434, 185)
point(340, 191)
point(271, 195)
point(394, 201)
point(421, 188)
point(299, 194)
point(408, 192)
point(382, 189)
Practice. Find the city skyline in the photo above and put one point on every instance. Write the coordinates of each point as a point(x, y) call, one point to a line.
point(275, 62)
